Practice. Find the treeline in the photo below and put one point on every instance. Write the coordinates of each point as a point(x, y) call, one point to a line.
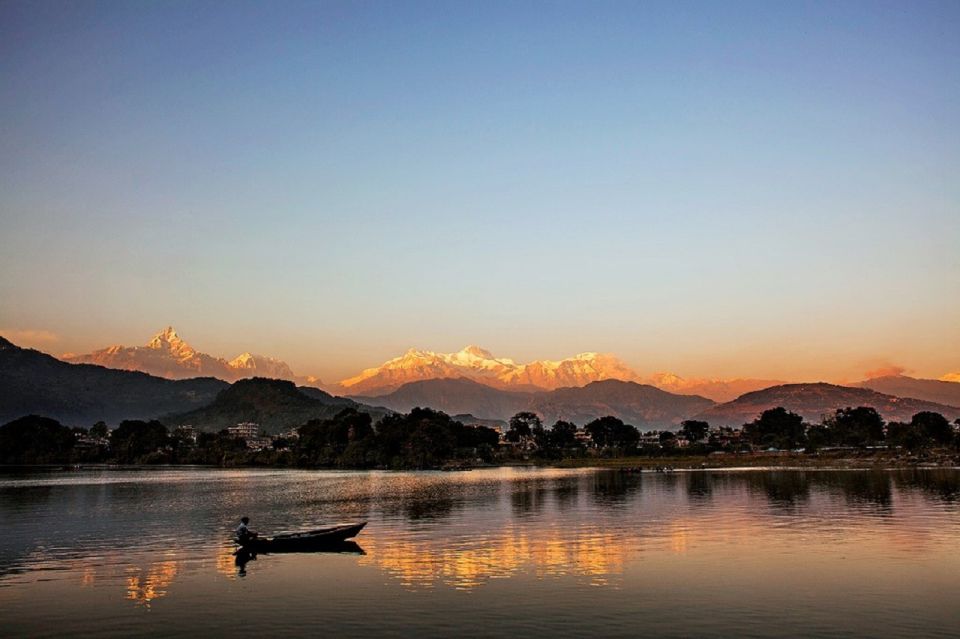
point(424, 438)
point(860, 427)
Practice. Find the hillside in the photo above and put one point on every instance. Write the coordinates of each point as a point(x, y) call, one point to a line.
point(276, 405)
point(813, 401)
point(930, 390)
point(453, 396)
point(32, 382)
point(642, 405)
point(639, 404)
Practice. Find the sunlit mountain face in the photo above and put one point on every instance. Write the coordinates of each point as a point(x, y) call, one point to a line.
point(168, 355)
point(480, 365)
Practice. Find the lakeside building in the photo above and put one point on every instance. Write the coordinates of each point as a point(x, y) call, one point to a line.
point(245, 430)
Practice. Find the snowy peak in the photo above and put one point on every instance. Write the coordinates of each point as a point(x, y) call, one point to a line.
point(479, 364)
point(168, 340)
point(168, 355)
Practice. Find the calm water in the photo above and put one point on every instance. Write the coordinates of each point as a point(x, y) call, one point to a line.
point(485, 553)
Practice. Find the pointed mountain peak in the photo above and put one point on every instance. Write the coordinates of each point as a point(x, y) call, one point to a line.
point(166, 336)
point(476, 351)
point(169, 340)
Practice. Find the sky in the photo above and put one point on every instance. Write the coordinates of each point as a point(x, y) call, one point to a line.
point(715, 189)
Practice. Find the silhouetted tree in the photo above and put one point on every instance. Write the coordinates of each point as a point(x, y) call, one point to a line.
point(522, 425)
point(35, 440)
point(933, 425)
point(134, 439)
point(861, 426)
point(776, 428)
point(563, 434)
point(99, 430)
point(908, 436)
point(694, 430)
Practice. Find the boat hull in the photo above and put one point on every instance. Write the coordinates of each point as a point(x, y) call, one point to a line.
point(320, 539)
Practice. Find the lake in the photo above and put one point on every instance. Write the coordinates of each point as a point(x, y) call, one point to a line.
point(484, 553)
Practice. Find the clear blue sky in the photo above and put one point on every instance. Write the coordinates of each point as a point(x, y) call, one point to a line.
point(716, 188)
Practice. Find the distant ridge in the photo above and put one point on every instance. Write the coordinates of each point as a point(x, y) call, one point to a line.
point(640, 404)
point(931, 390)
point(813, 401)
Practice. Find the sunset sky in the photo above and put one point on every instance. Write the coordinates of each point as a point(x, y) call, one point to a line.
point(714, 189)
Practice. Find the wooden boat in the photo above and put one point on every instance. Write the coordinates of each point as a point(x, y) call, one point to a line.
point(305, 541)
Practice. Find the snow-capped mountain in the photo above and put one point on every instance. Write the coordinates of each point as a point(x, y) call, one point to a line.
point(481, 366)
point(167, 355)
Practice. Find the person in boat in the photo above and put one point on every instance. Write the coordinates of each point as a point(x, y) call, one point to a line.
point(244, 534)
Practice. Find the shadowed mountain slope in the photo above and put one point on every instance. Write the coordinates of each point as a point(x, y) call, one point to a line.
point(32, 382)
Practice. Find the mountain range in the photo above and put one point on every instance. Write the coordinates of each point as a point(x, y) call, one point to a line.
point(496, 389)
point(479, 365)
point(168, 355)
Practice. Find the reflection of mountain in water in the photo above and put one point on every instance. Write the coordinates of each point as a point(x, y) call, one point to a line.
point(146, 585)
point(596, 557)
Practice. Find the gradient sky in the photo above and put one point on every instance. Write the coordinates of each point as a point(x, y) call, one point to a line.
point(716, 188)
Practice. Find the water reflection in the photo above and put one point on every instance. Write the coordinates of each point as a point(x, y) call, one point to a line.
point(468, 564)
point(569, 533)
point(147, 585)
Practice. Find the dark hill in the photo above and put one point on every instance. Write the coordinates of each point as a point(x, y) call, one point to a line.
point(453, 396)
point(638, 404)
point(814, 401)
point(275, 404)
point(642, 405)
point(32, 382)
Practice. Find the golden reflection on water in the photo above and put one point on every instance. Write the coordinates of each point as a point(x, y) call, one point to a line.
point(227, 562)
point(596, 557)
point(145, 588)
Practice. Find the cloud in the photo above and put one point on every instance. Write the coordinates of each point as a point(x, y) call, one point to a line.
point(885, 371)
point(951, 377)
point(29, 336)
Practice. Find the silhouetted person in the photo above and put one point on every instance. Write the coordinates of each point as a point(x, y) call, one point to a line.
point(244, 534)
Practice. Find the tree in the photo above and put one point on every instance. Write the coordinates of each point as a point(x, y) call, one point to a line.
point(134, 439)
point(667, 439)
point(933, 425)
point(522, 425)
point(563, 434)
point(694, 430)
point(776, 428)
point(610, 432)
point(861, 426)
point(35, 440)
point(908, 436)
point(99, 430)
